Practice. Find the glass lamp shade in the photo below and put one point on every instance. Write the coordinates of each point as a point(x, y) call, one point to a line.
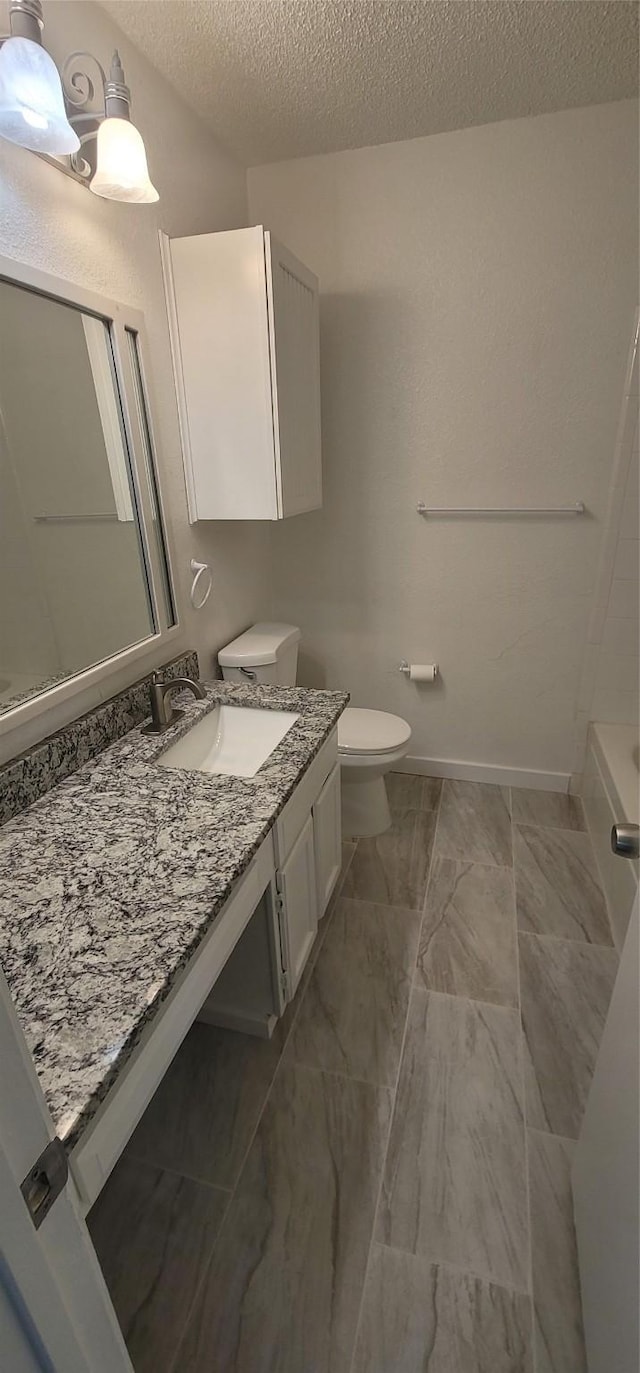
point(32, 111)
point(121, 167)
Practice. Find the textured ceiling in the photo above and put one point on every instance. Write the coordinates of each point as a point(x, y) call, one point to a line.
point(286, 78)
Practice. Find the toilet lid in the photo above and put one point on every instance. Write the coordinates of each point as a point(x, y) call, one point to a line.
point(371, 731)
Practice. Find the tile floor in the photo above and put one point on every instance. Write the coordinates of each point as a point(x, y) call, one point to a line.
point(385, 1186)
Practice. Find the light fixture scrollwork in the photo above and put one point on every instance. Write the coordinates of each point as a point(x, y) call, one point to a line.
point(85, 102)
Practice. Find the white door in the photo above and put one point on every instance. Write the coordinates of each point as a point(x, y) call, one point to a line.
point(54, 1304)
point(292, 300)
point(605, 1181)
point(327, 833)
point(297, 886)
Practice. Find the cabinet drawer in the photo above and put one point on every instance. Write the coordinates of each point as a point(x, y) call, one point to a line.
point(298, 807)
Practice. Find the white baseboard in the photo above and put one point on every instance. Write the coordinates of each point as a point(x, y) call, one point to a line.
point(485, 772)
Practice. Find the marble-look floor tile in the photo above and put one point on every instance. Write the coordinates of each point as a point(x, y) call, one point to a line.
point(203, 1115)
point(468, 936)
point(558, 890)
point(475, 823)
point(283, 1290)
point(408, 791)
point(393, 868)
point(353, 1015)
point(154, 1233)
point(565, 989)
point(558, 1332)
point(420, 1316)
point(348, 853)
point(550, 809)
point(454, 1186)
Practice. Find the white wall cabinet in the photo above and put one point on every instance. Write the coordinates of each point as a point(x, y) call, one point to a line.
point(243, 317)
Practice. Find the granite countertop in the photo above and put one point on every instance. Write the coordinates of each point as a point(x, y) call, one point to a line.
point(110, 882)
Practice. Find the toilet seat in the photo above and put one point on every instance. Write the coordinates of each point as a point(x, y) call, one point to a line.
point(371, 733)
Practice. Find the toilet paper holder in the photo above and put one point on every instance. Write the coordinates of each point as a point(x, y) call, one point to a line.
point(419, 672)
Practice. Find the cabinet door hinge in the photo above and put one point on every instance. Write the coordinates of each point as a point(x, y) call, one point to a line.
point(45, 1181)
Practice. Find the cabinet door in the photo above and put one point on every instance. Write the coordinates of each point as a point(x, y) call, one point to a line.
point(297, 883)
point(327, 835)
point(292, 296)
point(218, 318)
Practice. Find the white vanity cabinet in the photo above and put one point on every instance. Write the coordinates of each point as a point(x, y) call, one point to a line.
point(243, 317)
point(104, 1139)
point(298, 906)
point(308, 876)
point(247, 967)
point(327, 836)
point(308, 853)
point(264, 970)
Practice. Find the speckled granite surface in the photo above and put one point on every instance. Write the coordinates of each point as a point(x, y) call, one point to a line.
point(29, 776)
point(109, 883)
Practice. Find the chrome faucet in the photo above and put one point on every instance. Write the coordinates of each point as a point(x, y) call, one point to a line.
point(162, 711)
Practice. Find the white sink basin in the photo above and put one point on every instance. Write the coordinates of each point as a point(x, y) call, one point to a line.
point(233, 740)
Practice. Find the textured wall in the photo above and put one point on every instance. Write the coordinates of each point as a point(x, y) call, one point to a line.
point(52, 223)
point(478, 298)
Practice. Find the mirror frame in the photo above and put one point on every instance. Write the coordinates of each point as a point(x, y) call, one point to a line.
point(120, 320)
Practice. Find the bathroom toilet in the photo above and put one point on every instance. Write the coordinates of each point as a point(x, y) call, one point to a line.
point(266, 653)
point(370, 742)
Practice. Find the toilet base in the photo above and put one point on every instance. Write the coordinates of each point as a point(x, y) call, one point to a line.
point(365, 808)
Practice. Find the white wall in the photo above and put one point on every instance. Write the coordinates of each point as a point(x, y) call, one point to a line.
point(478, 297)
point(52, 223)
point(609, 690)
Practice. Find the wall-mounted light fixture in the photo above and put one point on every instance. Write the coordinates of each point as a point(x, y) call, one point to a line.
point(32, 111)
point(60, 116)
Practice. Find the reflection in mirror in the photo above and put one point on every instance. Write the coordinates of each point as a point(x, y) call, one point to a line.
point(74, 587)
point(158, 532)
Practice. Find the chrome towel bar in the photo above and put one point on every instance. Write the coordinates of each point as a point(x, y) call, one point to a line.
point(577, 509)
point(107, 517)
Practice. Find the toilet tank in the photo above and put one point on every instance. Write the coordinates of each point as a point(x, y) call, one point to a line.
point(265, 653)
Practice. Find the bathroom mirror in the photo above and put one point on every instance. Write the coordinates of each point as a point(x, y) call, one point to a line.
point(84, 568)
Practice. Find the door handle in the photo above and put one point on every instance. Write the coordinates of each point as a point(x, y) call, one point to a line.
point(625, 840)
